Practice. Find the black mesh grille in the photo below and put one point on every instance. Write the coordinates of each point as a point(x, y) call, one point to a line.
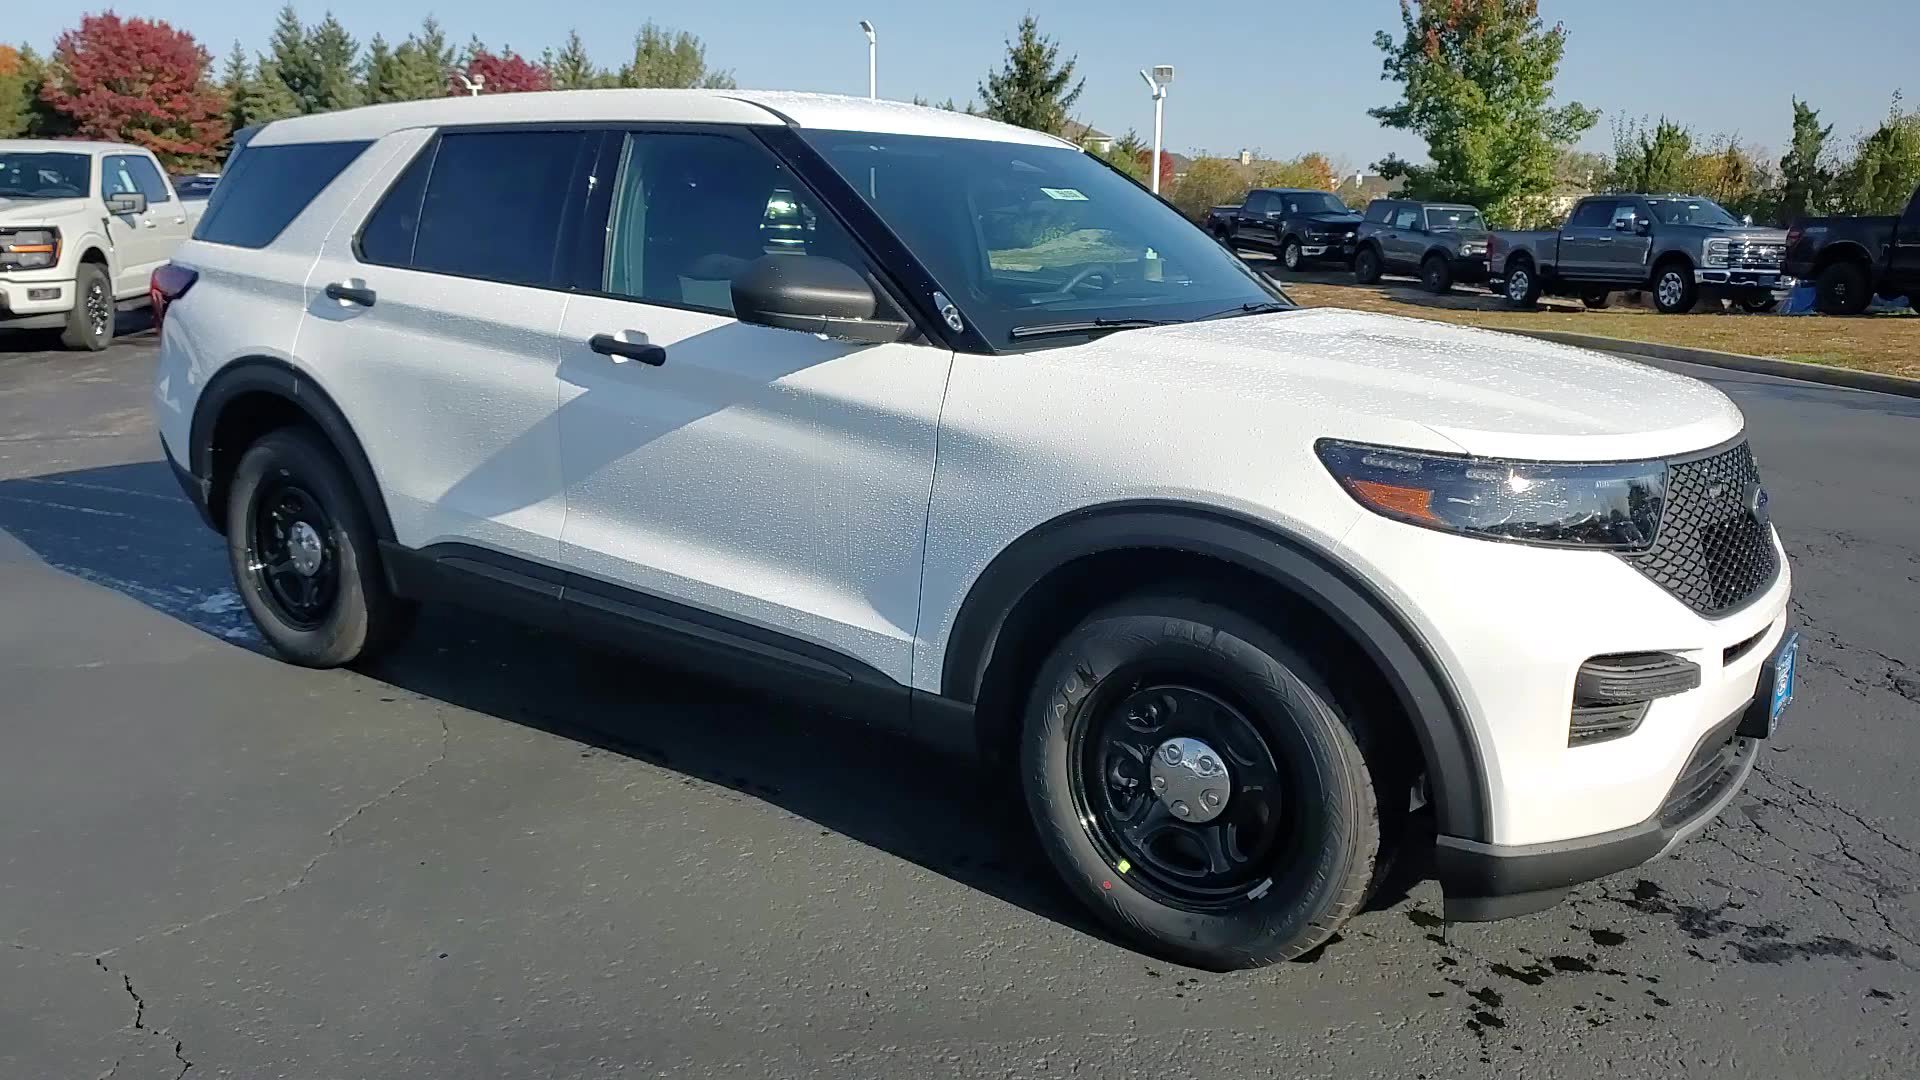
point(1711, 551)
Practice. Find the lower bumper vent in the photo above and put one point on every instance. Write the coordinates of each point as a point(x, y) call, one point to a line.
point(1611, 694)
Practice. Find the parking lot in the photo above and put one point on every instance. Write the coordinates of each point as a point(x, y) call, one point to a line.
point(503, 853)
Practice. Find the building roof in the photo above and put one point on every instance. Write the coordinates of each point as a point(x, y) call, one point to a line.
point(753, 107)
point(1076, 131)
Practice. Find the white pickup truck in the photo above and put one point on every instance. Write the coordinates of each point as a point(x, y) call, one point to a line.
point(82, 226)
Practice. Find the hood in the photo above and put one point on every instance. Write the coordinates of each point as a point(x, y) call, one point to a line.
point(1329, 218)
point(35, 211)
point(1449, 388)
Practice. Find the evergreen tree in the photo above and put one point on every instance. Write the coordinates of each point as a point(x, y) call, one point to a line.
point(21, 73)
point(421, 65)
point(1806, 182)
point(571, 67)
point(1477, 85)
point(289, 63)
point(674, 59)
point(336, 59)
point(264, 97)
point(1032, 88)
point(235, 78)
point(377, 72)
point(1886, 166)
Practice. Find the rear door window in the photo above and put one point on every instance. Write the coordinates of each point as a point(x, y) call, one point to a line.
point(1379, 212)
point(494, 205)
point(266, 187)
point(1407, 217)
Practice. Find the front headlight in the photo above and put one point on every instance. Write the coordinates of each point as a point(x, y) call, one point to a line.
point(29, 249)
point(1612, 506)
point(1716, 252)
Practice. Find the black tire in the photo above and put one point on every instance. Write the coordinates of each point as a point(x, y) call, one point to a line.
point(356, 615)
point(1302, 856)
point(90, 321)
point(1674, 290)
point(1597, 299)
point(1436, 275)
point(1842, 290)
point(1758, 303)
point(1523, 284)
point(1366, 266)
point(1291, 256)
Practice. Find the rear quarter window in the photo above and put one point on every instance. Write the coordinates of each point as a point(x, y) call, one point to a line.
point(266, 187)
point(1378, 211)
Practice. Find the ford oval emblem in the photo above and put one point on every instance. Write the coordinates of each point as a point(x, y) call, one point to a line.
point(1756, 503)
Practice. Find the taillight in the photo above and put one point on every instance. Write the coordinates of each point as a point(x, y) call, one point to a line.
point(1793, 236)
point(170, 282)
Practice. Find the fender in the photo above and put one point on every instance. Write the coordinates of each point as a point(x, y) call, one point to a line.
point(260, 374)
point(1385, 634)
point(1844, 251)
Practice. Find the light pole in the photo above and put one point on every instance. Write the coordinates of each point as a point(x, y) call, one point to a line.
point(473, 85)
point(1158, 82)
point(873, 48)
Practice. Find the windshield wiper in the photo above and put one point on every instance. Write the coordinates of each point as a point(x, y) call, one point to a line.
point(1265, 307)
point(1091, 326)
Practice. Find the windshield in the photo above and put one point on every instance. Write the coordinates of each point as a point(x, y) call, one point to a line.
point(1025, 237)
point(1691, 211)
point(1312, 202)
point(38, 174)
point(1455, 217)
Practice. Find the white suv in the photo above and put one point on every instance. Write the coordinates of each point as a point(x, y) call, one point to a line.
point(950, 426)
point(82, 227)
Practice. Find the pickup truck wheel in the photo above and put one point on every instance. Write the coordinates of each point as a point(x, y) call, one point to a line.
point(1435, 275)
point(1366, 266)
point(303, 554)
point(1523, 288)
point(90, 322)
point(1674, 290)
point(1195, 782)
point(1597, 299)
point(1842, 290)
point(1290, 254)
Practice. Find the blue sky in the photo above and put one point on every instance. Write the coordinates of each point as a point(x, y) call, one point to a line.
point(1299, 78)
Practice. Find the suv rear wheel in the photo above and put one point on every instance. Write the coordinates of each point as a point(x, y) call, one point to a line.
point(1197, 785)
point(303, 554)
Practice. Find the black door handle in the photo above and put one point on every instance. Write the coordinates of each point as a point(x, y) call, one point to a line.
point(608, 345)
point(349, 293)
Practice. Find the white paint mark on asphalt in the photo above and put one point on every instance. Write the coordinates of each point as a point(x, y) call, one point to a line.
point(82, 485)
point(220, 603)
point(68, 506)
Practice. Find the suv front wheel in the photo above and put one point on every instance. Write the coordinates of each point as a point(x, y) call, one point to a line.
point(303, 554)
point(1197, 785)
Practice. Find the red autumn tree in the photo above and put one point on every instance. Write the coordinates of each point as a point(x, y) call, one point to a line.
point(506, 72)
point(138, 81)
point(1166, 167)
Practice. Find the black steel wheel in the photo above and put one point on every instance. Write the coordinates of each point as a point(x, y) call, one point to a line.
point(292, 556)
point(1842, 289)
point(1436, 276)
point(1366, 266)
point(304, 556)
point(1197, 785)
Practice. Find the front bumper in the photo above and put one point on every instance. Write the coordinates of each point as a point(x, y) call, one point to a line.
point(27, 303)
point(1482, 882)
point(1321, 248)
point(1470, 267)
point(1744, 277)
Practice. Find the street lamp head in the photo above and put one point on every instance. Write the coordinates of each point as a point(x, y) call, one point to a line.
point(868, 28)
point(1163, 74)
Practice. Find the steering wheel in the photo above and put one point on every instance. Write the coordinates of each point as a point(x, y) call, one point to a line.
point(1085, 275)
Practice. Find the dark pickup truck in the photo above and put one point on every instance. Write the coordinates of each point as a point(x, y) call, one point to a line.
point(1852, 259)
point(1442, 242)
point(1296, 224)
point(1677, 246)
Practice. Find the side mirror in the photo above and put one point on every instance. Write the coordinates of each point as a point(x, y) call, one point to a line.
point(1643, 226)
point(815, 295)
point(130, 202)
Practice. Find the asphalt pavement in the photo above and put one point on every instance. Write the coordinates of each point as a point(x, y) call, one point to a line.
point(498, 853)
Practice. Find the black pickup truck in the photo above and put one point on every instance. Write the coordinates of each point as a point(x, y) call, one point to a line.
point(1296, 224)
point(1852, 259)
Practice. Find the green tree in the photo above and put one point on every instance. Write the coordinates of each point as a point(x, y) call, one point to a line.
point(379, 72)
point(265, 97)
point(1210, 182)
point(1477, 86)
point(1129, 154)
point(572, 68)
point(1659, 159)
point(336, 60)
point(1886, 166)
point(1806, 181)
point(21, 74)
point(1032, 89)
point(670, 58)
point(288, 61)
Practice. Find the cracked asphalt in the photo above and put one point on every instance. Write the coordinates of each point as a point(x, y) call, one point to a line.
point(502, 853)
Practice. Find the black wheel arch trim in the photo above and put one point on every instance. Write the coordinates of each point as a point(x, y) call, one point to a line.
point(1306, 569)
point(261, 374)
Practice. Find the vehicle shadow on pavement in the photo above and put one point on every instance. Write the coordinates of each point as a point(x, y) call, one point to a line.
point(127, 527)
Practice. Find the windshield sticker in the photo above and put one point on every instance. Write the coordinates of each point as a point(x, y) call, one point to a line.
point(1064, 194)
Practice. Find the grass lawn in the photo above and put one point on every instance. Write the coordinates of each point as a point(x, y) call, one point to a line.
point(1887, 343)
